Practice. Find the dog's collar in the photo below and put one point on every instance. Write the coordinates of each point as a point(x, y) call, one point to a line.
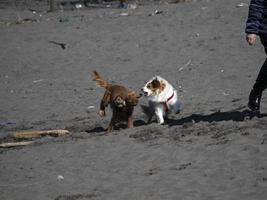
point(166, 102)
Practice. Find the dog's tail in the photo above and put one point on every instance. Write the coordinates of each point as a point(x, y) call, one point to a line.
point(102, 83)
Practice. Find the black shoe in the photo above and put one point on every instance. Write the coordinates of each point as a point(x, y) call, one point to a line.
point(254, 100)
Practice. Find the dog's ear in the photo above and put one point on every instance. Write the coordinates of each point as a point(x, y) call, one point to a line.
point(162, 86)
point(132, 98)
point(155, 83)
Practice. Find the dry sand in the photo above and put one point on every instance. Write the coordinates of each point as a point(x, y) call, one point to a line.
point(214, 149)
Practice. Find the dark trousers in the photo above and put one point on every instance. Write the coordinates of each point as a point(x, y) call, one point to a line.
point(261, 81)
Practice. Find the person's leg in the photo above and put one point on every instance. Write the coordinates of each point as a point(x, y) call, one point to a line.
point(261, 82)
point(254, 100)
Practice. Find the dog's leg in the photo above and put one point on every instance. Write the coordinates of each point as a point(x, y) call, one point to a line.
point(130, 122)
point(159, 113)
point(104, 103)
point(111, 125)
point(149, 118)
point(150, 112)
point(177, 107)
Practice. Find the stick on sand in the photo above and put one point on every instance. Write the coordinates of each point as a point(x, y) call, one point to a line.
point(36, 134)
point(14, 144)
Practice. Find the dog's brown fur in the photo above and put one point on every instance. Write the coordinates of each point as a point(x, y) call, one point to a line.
point(120, 99)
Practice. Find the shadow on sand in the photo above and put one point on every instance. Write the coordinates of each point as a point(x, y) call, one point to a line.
point(99, 129)
point(237, 116)
point(234, 115)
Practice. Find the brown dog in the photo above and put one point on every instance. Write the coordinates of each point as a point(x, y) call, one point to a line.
point(120, 99)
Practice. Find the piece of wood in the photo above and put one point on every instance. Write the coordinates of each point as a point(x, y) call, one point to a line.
point(14, 144)
point(36, 134)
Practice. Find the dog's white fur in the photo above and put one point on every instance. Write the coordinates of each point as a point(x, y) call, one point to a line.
point(158, 100)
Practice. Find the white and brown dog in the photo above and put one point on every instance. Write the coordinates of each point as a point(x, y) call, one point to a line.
point(162, 98)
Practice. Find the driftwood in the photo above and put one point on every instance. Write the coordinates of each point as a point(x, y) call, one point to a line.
point(36, 134)
point(14, 144)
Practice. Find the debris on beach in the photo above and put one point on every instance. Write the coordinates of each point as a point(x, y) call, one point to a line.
point(37, 134)
point(124, 14)
point(62, 45)
point(60, 177)
point(156, 12)
point(225, 94)
point(185, 65)
point(24, 138)
point(15, 144)
point(78, 5)
point(242, 5)
point(184, 166)
point(37, 81)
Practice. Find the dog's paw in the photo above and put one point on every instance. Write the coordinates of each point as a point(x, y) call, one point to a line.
point(102, 113)
point(161, 122)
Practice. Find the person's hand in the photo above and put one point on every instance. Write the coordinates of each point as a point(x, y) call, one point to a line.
point(251, 39)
